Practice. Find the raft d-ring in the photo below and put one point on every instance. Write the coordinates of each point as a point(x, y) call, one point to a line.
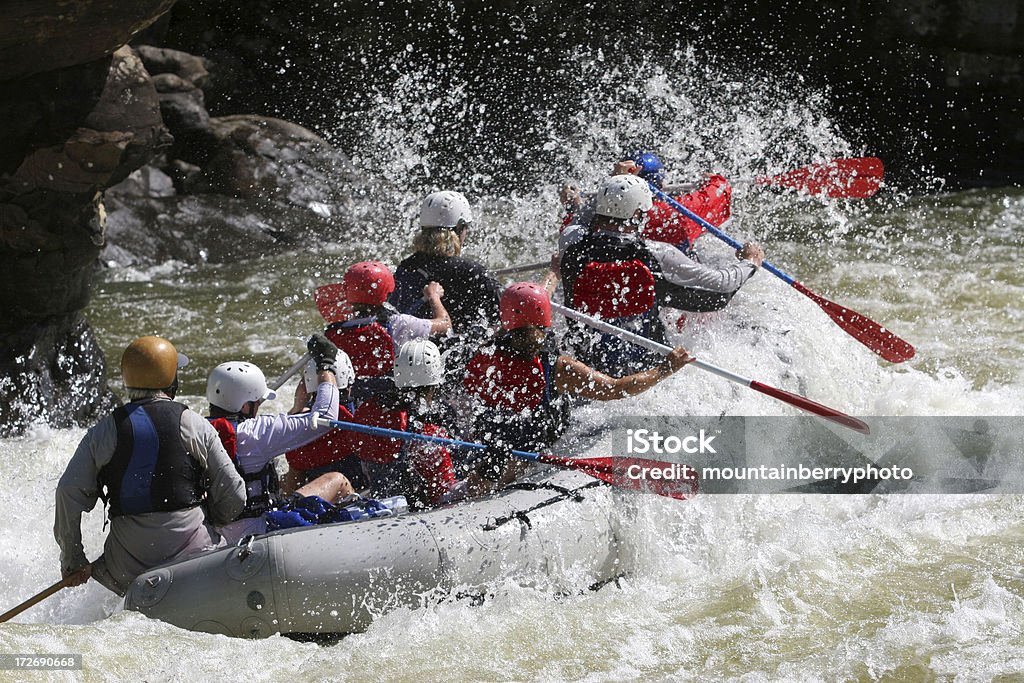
point(245, 543)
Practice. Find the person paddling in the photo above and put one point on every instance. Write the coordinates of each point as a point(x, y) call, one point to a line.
point(332, 452)
point(445, 220)
point(236, 390)
point(376, 330)
point(423, 472)
point(712, 201)
point(159, 466)
point(610, 272)
point(520, 383)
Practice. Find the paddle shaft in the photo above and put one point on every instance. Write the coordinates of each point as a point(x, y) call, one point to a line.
point(37, 598)
point(526, 268)
point(784, 276)
point(413, 436)
point(788, 397)
point(625, 473)
point(648, 344)
point(298, 365)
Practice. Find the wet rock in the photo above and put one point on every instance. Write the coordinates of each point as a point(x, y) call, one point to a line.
point(189, 68)
point(58, 376)
point(148, 181)
point(192, 229)
point(46, 35)
point(267, 159)
point(52, 226)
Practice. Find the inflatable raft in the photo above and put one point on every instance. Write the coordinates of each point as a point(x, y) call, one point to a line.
point(556, 527)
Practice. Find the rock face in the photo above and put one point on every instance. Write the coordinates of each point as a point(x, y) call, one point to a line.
point(55, 158)
point(96, 172)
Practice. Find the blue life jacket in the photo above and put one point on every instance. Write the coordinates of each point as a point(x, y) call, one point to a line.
point(151, 470)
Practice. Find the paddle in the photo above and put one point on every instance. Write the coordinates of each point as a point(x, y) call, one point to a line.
point(857, 178)
point(859, 326)
point(526, 268)
point(332, 302)
point(801, 402)
point(299, 364)
point(39, 597)
point(668, 479)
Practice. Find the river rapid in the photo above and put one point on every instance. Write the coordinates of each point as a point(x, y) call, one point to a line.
point(751, 587)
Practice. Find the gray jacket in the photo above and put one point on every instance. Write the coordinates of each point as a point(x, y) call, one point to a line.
point(137, 542)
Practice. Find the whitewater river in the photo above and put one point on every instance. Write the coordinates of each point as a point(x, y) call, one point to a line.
point(758, 588)
point(785, 586)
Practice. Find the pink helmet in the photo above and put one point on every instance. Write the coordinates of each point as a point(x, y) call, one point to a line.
point(368, 282)
point(525, 303)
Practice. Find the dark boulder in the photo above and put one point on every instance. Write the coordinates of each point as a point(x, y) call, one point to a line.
point(52, 226)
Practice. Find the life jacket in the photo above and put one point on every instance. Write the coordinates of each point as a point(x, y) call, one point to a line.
point(425, 470)
point(610, 275)
point(379, 449)
point(263, 487)
point(613, 276)
point(151, 470)
point(517, 404)
point(368, 343)
point(335, 445)
point(712, 202)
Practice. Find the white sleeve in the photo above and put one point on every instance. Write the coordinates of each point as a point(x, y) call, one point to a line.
point(406, 328)
point(679, 269)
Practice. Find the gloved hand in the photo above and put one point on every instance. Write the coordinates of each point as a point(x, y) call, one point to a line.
point(323, 352)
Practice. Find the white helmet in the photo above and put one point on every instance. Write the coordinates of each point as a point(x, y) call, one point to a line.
point(233, 384)
point(343, 371)
point(418, 364)
point(444, 210)
point(621, 195)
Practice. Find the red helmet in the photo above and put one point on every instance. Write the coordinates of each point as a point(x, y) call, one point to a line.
point(368, 282)
point(525, 303)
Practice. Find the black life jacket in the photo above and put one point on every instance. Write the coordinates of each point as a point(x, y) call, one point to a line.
point(517, 403)
point(152, 470)
point(613, 276)
point(263, 487)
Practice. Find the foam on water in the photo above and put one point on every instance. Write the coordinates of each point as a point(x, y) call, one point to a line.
point(755, 588)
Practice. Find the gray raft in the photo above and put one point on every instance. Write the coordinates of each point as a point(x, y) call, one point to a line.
point(333, 579)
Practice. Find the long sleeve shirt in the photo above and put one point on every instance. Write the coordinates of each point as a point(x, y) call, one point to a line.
point(137, 542)
point(264, 437)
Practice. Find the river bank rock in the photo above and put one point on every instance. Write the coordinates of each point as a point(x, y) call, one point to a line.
point(57, 154)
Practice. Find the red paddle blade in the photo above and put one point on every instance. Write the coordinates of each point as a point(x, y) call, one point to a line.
point(804, 403)
point(850, 178)
point(332, 303)
point(668, 479)
point(863, 329)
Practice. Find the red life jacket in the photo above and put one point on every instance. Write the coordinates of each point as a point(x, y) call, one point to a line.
point(432, 463)
point(711, 202)
point(610, 275)
point(262, 488)
point(518, 406)
point(614, 290)
point(329, 448)
point(379, 449)
point(226, 431)
point(368, 344)
point(503, 381)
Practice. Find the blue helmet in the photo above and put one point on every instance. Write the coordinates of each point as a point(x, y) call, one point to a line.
point(651, 168)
